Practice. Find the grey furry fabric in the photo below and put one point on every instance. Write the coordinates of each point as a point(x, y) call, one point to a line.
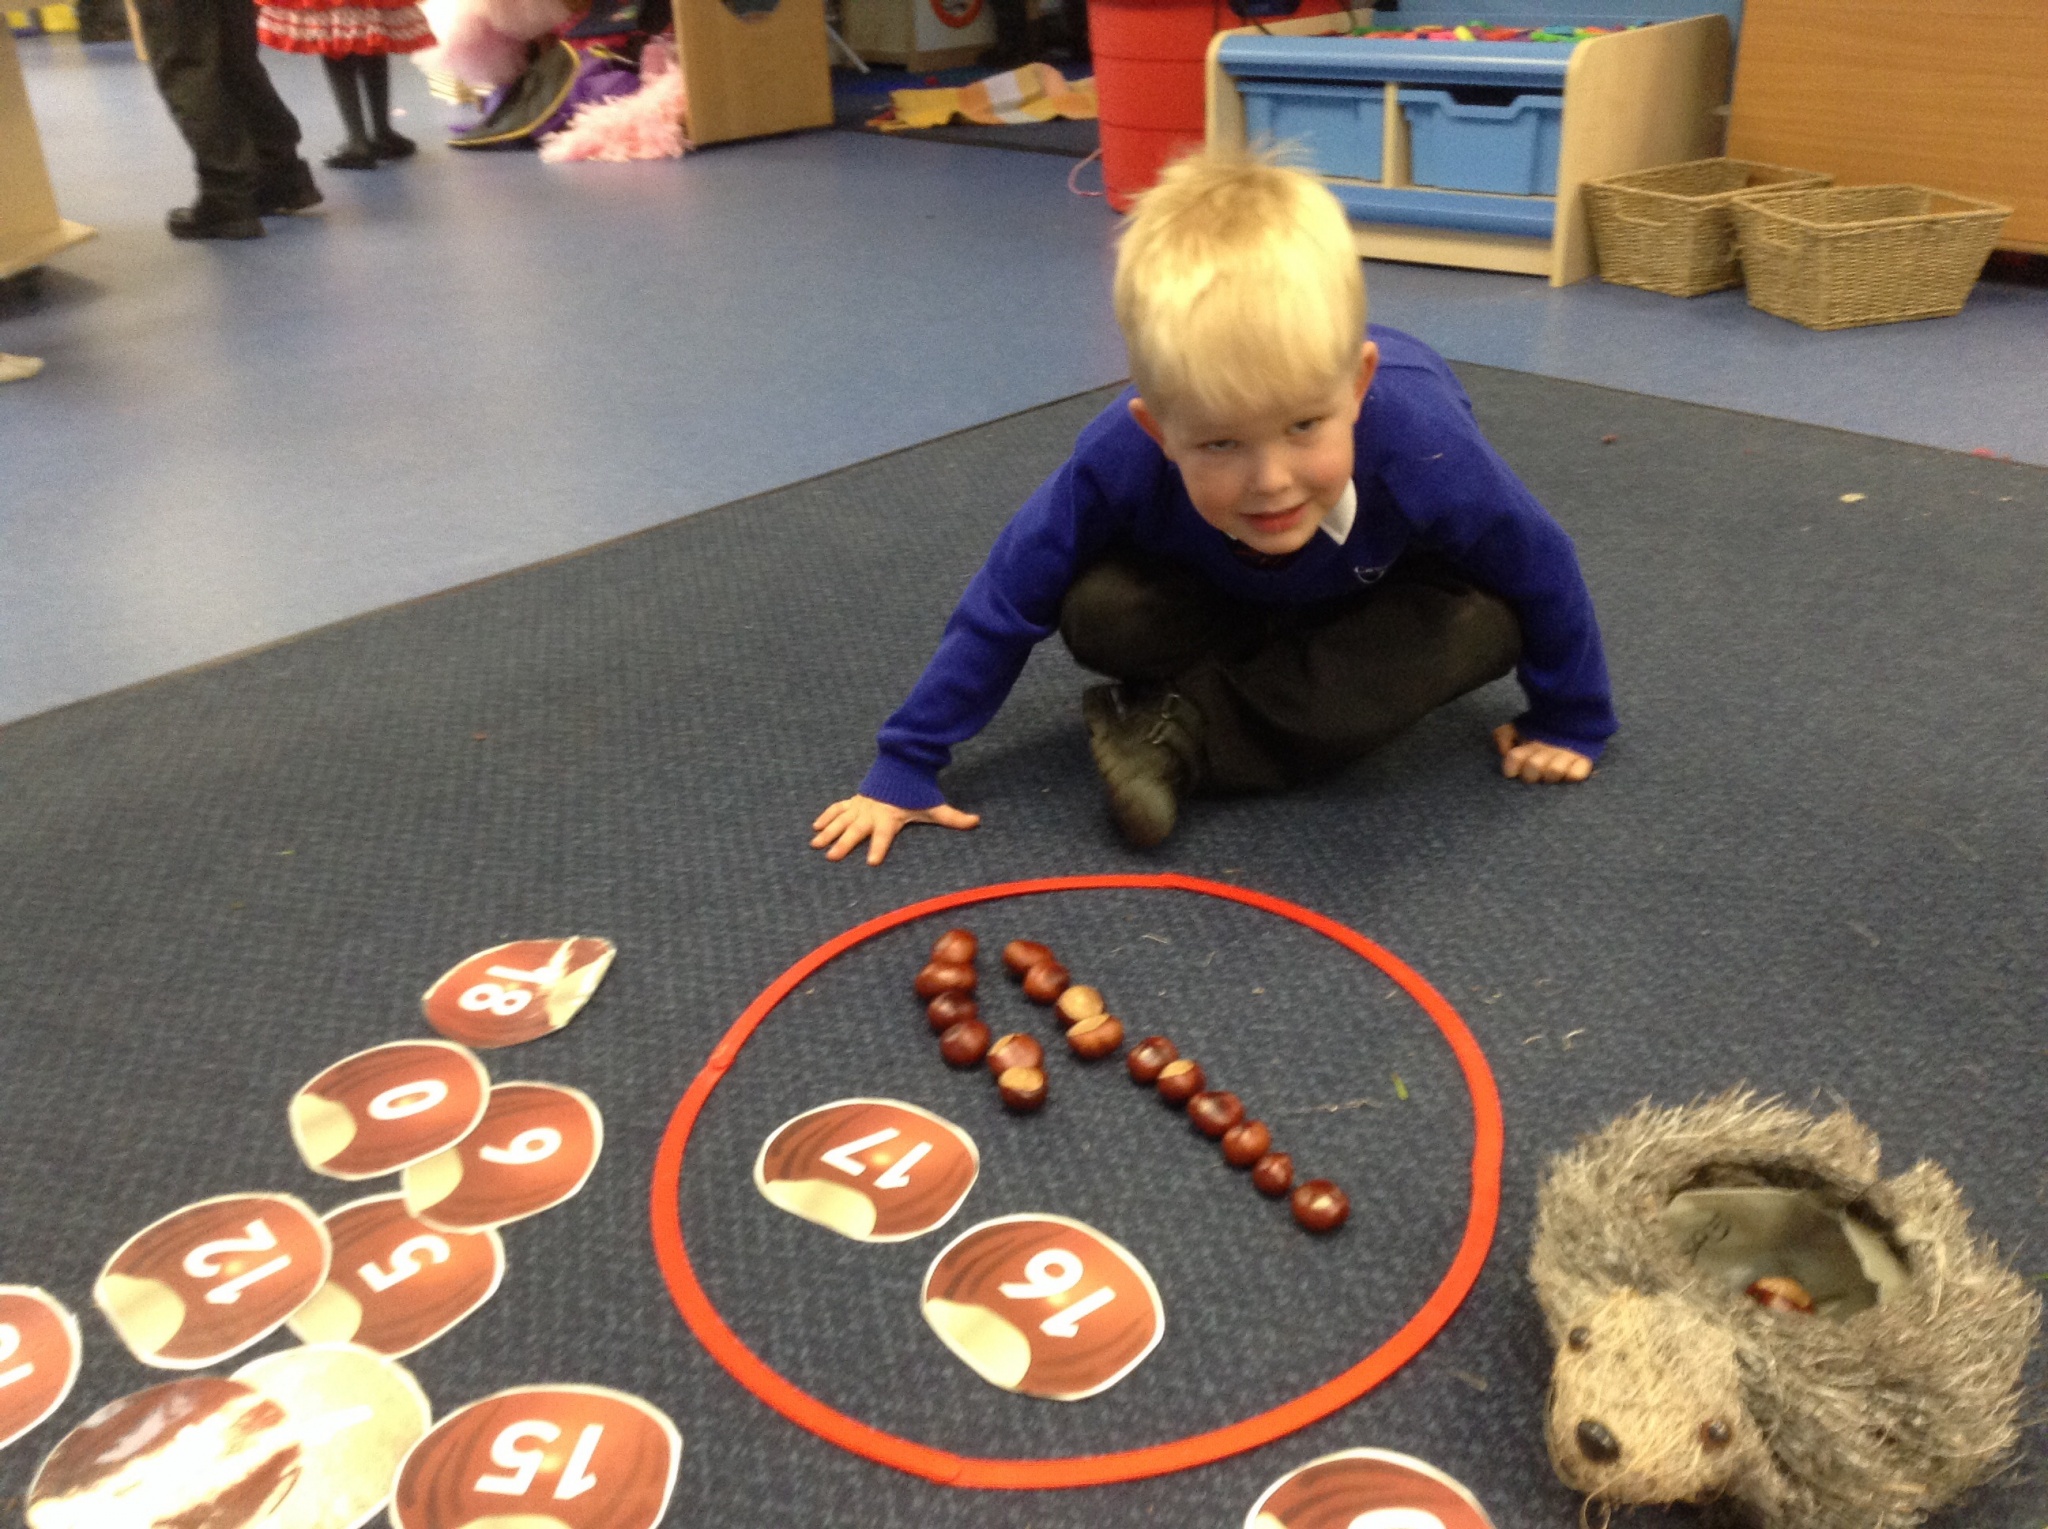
point(1670, 1386)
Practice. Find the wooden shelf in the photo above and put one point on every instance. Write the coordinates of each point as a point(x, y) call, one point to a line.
point(30, 229)
point(1632, 99)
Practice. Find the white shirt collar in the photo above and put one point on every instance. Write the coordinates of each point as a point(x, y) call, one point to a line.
point(1337, 524)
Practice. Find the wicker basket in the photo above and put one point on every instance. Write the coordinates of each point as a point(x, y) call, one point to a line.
point(1851, 255)
point(1668, 229)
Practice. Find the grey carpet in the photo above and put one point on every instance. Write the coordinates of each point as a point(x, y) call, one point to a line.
point(1815, 860)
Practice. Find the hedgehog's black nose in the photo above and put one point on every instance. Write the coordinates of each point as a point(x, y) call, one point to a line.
point(1597, 1444)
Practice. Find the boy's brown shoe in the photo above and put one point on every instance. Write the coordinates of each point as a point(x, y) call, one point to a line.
point(1148, 750)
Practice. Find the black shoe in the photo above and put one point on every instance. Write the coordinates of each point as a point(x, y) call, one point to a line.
point(292, 190)
point(390, 145)
point(210, 221)
point(353, 155)
point(1148, 752)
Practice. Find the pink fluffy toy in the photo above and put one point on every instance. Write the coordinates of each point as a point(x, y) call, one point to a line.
point(482, 43)
point(648, 124)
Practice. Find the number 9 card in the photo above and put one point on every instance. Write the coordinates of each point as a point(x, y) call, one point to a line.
point(533, 1149)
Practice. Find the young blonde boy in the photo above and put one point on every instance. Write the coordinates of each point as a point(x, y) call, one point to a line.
point(1287, 543)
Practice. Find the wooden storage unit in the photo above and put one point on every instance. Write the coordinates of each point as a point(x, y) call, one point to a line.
point(30, 229)
point(1945, 93)
point(1632, 99)
point(748, 75)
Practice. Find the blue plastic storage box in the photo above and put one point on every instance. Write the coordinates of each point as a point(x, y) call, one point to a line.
point(1341, 126)
point(1466, 147)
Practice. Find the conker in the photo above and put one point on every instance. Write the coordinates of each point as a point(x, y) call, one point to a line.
point(1021, 955)
point(1215, 1113)
point(1148, 1057)
point(1780, 1292)
point(1045, 981)
point(1273, 1174)
point(1321, 1206)
point(949, 1008)
point(1021, 1088)
point(1015, 1050)
point(1077, 1003)
point(956, 947)
point(1179, 1081)
point(1246, 1142)
point(1096, 1036)
point(940, 977)
point(965, 1043)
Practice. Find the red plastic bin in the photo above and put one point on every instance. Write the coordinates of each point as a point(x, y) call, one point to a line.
point(1149, 56)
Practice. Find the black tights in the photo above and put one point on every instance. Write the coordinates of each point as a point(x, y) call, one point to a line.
point(373, 71)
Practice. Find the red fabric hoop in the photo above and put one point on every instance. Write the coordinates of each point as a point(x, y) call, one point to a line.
point(949, 1469)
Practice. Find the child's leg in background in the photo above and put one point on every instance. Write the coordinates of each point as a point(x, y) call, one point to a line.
point(376, 72)
point(343, 73)
point(1287, 694)
point(1147, 622)
point(1335, 682)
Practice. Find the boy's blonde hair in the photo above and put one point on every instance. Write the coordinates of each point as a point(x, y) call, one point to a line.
point(1238, 287)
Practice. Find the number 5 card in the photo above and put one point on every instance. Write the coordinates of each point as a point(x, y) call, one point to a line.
point(1043, 1306)
point(398, 1284)
point(209, 1280)
point(575, 1456)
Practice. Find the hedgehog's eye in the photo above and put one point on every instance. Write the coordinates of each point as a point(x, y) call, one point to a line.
point(1580, 1338)
point(1715, 1434)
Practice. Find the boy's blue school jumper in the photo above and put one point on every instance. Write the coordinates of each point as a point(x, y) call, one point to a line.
point(1426, 479)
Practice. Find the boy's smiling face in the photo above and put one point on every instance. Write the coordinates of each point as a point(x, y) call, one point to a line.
point(1267, 478)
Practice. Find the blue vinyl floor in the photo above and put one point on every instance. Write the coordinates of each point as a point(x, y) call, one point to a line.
point(474, 362)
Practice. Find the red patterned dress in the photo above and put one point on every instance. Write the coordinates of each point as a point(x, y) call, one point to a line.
point(338, 28)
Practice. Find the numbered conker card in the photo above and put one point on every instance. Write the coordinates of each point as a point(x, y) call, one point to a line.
point(396, 1283)
point(382, 1109)
point(1367, 1489)
point(517, 992)
point(202, 1451)
point(534, 1148)
point(209, 1280)
point(875, 1170)
point(538, 1457)
point(356, 1414)
point(1043, 1306)
point(39, 1356)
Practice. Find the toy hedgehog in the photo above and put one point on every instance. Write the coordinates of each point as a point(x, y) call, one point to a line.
point(1744, 1312)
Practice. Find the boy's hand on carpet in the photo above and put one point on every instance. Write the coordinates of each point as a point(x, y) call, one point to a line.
point(1538, 763)
point(845, 824)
